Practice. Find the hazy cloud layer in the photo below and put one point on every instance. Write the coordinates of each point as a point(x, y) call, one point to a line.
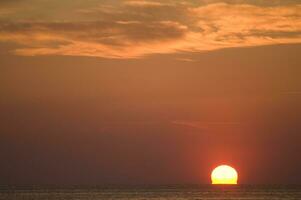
point(130, 29)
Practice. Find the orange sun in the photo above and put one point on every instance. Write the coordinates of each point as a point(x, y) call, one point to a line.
point(224, 174)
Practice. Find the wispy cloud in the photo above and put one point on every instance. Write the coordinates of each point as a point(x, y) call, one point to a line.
point(100, 39)
point(205, 125)
point(186, 59)
point(138, 28)
point(225, 25)
point(143, 3)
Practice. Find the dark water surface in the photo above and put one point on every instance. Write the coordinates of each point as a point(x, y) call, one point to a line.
point(248, 192)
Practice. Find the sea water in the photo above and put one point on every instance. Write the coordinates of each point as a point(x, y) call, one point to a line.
point(172, 192)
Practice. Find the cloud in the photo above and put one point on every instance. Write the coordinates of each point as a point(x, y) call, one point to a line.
point(224, 25)
point(101, 39)
point(140, 28)
point(205, 125)
point(186, 59)
point(141, 3)
point(254, 2)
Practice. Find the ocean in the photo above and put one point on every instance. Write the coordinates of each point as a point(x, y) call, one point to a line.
point(172, 192)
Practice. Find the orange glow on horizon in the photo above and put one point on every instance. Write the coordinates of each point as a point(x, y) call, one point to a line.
point(224, 174)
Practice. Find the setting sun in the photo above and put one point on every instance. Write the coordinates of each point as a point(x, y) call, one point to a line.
point(224, 174)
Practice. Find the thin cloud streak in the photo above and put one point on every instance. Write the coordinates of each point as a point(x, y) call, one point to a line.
point(143, 3)
point(140, 28)
point(205, 125)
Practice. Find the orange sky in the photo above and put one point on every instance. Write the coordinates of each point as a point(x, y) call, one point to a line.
point(97, 92)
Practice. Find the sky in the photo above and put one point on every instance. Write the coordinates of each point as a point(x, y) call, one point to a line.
point(149, 92)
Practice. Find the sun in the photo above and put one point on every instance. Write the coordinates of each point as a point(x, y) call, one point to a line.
point(224, 174)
